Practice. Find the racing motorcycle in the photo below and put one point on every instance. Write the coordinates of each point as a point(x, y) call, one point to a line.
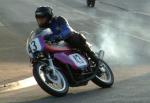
point(90, 3)
point(56, 66)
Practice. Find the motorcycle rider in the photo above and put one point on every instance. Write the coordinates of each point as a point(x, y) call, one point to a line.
point(62, 30)
point(91, 3)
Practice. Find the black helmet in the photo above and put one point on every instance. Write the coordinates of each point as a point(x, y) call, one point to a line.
point(44, 11)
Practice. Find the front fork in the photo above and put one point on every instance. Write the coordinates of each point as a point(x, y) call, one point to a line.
point(51, 66)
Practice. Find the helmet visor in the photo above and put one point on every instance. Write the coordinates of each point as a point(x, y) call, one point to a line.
point(40, 15)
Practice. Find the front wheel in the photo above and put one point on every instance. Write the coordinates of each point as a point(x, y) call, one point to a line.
point(56, 85)
point(104, 77)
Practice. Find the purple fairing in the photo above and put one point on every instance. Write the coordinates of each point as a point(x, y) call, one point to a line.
point(63, 57)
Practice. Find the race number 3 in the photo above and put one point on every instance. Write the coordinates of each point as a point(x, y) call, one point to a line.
point(35, 45)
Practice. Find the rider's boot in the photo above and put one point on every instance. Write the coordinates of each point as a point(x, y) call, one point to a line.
point(91, 54)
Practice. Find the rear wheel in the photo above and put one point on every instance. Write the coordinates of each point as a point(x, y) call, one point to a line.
point(56, 85)
point(104, 77)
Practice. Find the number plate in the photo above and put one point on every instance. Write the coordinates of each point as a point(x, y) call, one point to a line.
point(78, 60)
point(35, 45)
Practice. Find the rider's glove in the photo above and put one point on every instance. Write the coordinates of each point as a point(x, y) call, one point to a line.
point(57, 38)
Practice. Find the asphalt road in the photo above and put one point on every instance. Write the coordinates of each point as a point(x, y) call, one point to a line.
point(120, 27)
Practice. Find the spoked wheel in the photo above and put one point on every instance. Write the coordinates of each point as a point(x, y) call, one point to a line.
point(56, 85)
point(104, 77)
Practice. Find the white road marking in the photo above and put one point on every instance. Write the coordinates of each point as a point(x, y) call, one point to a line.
point(27, 82)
